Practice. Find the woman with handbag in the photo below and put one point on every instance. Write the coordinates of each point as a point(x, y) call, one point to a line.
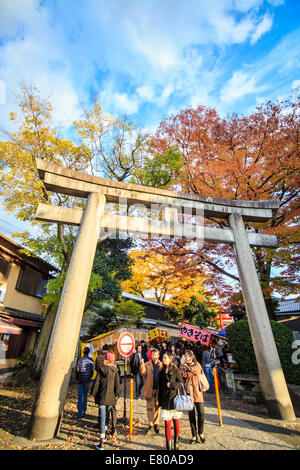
point(169, 383)
point(195, 383)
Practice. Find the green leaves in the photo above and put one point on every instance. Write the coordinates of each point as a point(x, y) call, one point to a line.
point(197, 313)
point(241, 346)
point(121, 313)
point(128, 312)
point(113, 264)
point(162, 170)
point(56, 285)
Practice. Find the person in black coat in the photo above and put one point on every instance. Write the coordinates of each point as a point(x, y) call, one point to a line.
point(144, 350)
point(106, 392)
point(169, 383)
point(164, 348)
point(135, 364)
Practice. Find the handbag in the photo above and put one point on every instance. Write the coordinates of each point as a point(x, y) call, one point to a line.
point(183, 402)
point(203, 382)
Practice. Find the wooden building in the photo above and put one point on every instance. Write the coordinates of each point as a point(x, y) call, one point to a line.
point(23, 281)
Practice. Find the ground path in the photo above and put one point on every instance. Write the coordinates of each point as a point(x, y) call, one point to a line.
point(245, 427)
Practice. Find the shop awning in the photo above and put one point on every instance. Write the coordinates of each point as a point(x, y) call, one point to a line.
point(8, 327)
point(21, 318)
point(22, 322)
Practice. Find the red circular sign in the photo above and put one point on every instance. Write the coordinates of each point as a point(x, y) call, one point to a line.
point(126, 344)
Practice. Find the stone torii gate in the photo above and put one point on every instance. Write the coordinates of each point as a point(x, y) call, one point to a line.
point(51, 395)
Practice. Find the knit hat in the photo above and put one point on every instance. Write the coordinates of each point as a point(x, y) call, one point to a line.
point(110, 356)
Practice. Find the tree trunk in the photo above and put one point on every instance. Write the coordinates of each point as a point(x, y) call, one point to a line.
point(270, 309)
point(45, 335)
point(43, 341)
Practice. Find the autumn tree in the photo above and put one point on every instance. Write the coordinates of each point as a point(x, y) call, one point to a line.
point(238, 157)
point(157, 278)
point(117, 146)
point(21, 189)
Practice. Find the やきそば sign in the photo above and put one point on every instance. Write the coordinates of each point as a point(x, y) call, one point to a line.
point(194, 334)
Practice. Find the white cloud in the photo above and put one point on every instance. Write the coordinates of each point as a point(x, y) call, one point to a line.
point(246, 5)
point(2, 92)
point(228, 30)
point(295, 84)
point(125, 104)
point(263, 27)
point(157, 51)
point(117, 103)
point(156, 34)
point(239, 85)
point(270, 73)
point(276, 3)
point(167, 54)
point(165, 95)
point(146, 92)
point(36, 56)
point(15, 14)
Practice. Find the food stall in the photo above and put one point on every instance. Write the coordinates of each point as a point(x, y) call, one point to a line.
point(158, 335)
point(111, 338)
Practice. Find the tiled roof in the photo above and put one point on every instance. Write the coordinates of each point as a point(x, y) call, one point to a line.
point(291, 306)
point(142, 300)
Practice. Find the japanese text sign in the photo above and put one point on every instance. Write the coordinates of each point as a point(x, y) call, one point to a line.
point(194, 334)
point(158, 333)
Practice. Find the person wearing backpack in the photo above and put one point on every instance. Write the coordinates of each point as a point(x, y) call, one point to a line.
point(84, 372)
point(106, 393)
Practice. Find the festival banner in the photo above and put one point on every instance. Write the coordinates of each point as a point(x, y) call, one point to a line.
point(194, 334)
point(111, 338)
point(157, 333)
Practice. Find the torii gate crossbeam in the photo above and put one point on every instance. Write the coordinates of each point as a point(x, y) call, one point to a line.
point(54, 381)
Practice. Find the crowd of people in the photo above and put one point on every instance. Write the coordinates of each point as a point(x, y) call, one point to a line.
point(161, 371)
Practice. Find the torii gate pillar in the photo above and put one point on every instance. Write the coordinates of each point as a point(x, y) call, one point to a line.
point(50, 399)
point(272, 382)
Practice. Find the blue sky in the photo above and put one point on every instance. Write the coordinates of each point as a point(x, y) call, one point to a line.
point(148, 58)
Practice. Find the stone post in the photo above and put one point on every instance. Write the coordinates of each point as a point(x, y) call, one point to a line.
point(54, 381)
point(272, 381)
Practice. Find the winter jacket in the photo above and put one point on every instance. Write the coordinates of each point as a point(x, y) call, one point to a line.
point(190, 374)
point(161, 353)
point(166, 395)
point(145, 353)
point(146, 370)
point(107, 386)
point(176, 359)
point(206, 359)
point(85, 369)
point(100, 359)
point(135, 363)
